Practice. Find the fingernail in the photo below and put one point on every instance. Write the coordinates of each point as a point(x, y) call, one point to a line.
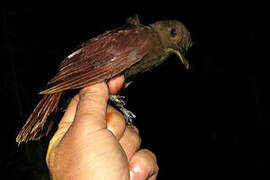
point(135, 173)
point(131, 173)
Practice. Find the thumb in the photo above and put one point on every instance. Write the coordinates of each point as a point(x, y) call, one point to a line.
point(85, 114)
point(91, 108)
point(93, 96)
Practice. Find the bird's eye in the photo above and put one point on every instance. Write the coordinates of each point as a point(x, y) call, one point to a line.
point(173, 32)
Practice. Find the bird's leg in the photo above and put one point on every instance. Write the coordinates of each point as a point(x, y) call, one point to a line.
point(120, 103)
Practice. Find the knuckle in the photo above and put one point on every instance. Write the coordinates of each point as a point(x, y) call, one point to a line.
point(95, 90)
point(136, 139)
point(150, 154)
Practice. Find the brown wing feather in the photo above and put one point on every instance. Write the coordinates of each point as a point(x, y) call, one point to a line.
point(101, 58)
point(37, 124)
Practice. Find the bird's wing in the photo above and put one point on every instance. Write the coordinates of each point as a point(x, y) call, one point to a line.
point(101, 58)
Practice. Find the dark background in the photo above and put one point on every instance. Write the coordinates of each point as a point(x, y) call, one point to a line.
point(208, 122)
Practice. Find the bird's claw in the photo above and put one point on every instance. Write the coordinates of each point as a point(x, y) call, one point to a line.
point(120, 103)
point(118, 100)
point(129, 116)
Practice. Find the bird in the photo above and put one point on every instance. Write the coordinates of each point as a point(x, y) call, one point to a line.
point(131, 50)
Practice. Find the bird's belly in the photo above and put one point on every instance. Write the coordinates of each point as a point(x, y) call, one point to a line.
point(149, 62)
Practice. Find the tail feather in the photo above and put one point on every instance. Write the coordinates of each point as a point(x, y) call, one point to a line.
point(35, 127)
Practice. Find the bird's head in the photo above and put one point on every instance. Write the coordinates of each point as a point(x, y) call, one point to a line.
point(174, 37)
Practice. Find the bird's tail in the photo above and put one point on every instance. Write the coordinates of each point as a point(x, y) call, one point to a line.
point(38, 124)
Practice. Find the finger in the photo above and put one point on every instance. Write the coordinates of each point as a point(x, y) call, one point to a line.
point(143, 165)
point(115, 122)
point(65, 122)
point(70, 112)
point(116, 83)
point(130, 141)
point(91, 109)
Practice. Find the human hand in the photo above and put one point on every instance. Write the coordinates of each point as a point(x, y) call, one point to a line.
point(93, 141)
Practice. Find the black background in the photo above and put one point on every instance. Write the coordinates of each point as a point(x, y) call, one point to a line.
point(209, 122)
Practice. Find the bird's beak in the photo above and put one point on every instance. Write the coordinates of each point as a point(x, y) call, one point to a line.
point(180, 53)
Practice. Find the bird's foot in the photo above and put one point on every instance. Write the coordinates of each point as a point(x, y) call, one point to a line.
point(120, 103)
point(129, 116)
point(118, 100)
